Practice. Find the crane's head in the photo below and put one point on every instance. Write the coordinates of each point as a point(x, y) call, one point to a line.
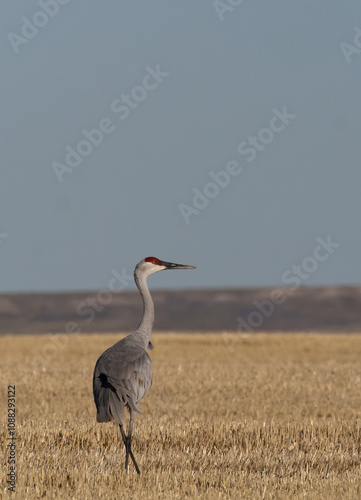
point(151, 265)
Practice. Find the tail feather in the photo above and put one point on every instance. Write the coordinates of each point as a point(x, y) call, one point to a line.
point(116, 407)
point(124, 391)
point(101, 398)
point(111, 398)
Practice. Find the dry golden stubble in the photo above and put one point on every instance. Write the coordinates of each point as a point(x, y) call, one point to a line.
point(228, 416)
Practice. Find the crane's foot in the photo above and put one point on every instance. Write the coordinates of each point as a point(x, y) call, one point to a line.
point(134, 462)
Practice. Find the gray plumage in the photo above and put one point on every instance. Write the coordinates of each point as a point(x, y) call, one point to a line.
point(123, 374)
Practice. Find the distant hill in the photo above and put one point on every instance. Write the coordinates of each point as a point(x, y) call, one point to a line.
point(335, 309)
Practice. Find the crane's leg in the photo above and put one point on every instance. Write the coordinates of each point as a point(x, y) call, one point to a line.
point(129, 447)
point(128, 451)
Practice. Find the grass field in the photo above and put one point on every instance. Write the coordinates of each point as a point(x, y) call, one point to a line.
point(229, 416)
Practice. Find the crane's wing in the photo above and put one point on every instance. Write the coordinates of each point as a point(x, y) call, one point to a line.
point(122, 376)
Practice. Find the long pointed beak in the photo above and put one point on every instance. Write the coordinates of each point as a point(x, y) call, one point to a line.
point(170, 265)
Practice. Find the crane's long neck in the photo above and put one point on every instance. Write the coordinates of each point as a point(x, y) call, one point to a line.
point(146, 325)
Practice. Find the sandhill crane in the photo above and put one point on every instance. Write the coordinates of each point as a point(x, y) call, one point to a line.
point(123, 373)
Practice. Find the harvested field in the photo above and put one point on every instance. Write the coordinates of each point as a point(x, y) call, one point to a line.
point(273, 416)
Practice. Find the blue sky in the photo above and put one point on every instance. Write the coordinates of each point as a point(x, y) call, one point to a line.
point(172, 94)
